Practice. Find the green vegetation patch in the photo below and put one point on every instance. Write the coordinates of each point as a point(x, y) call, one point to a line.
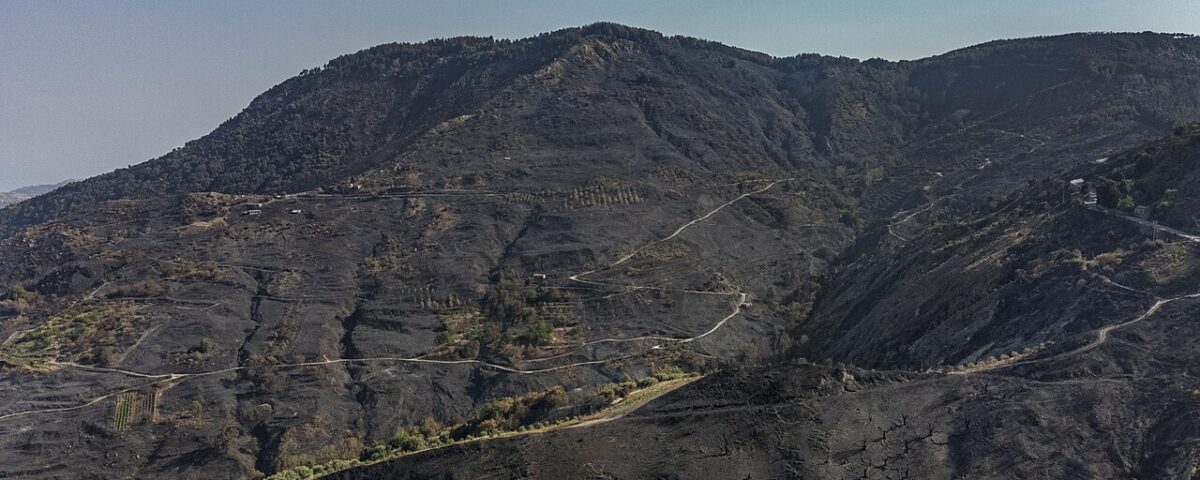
point(513, 318)
point(189, 271)
point(526, 414)
point(130, 409)
point(89, 334)
point(1170, 264)
point(18, 299)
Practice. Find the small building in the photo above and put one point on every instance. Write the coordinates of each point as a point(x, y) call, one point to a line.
point(1141, 211)
point(1076, 185)
point(1090, 199)
point(252, 212)
point(296, 211)
point(538, 278)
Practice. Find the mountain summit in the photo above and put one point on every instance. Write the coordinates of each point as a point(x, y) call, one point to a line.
point(459, 104)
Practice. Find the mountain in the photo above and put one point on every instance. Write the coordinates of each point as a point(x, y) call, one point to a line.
point(453, 102)
point(25, 193)
point(1059, 333)
point(428, 244)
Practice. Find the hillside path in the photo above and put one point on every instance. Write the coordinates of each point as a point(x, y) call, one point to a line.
point(178, 377)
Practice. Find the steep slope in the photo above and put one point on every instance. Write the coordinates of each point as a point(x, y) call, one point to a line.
point(1021, 271)
point(424, 269)
point(323, 125)
point(415, 235)
point(1106, 393)
point(998, 114)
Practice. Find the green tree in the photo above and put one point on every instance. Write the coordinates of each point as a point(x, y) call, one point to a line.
point(538, 334)
point(1126, 203)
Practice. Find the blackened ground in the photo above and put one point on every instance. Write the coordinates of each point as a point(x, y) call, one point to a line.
point(1120, 410)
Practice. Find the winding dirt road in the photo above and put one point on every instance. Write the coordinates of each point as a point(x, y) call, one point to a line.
point(181, 377)
point(1102, 332)
point(1101, 337)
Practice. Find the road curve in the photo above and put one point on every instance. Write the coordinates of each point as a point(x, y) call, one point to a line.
point(184, 376)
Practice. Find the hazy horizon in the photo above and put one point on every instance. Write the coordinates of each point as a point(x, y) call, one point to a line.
point(97, 87)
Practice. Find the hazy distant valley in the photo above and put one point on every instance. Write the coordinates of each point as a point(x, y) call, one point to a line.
point(26, 193)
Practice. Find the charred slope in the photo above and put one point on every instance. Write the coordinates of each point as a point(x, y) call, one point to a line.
point(1071, 332)
point(1019, 107)
point(935, 288)
point(1001, 113)
point(322, 125)
point(1115, 411)
point(451, 108)
point(1161, 176)
point(683, 194)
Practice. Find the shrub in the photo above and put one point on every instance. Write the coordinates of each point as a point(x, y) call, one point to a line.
point(17, 292)
point(260, 371)
point(406, 440)
point(1126, 203)
point(669, 373)
point(538, 334)
point(18, 299)
point(430, 427)
point(148, 288)
point(647, 382)
point(375, 452)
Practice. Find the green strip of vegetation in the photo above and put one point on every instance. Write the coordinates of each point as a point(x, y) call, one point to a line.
point(505, 417)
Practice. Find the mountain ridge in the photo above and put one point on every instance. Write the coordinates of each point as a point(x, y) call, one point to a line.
point(330, 151)
point(426, 243)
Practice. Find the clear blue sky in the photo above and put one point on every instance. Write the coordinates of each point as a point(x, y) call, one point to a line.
point(87, 87)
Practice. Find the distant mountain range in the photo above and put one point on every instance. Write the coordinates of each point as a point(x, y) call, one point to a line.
point(25, 193)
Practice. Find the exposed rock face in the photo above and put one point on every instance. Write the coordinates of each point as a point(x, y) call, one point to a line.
point(413, 231)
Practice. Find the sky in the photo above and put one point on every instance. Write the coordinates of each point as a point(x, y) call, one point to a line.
point(87, 87)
